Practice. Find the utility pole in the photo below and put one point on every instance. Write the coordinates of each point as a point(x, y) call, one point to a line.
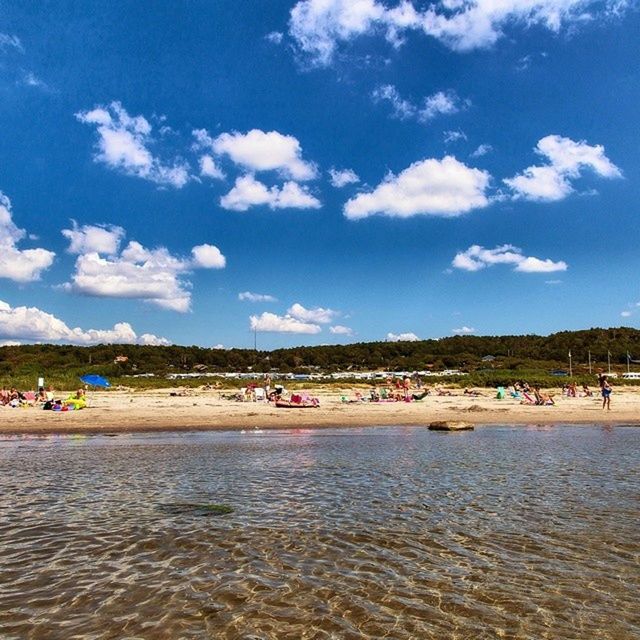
point(570, 369)
point(628, 360)
point(589, 361)
point(609, 360)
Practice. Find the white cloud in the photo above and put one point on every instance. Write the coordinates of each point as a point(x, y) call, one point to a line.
point(626, 314)
point(553, 282)
point(482, 150)
point(464, 331)
point(154, 276)
point(444, 187)
point(256, 297)
point(402, 337)
point(208, 256)
point(440, 103)
point(9, 41)
point(454, 136)
point(323, 316)
point(274, 37)
point(260, 151)
point(476, 258)
point(567, 160)
point(94, 238)
point(30, 79)
point(341, 178)
point(340, 330)
point(272, 323)
point(33, 324)
point(319, 26)
point(20, 265)
point(123, 144)
point(249, 192)
point(402, 109)
point(209, 168)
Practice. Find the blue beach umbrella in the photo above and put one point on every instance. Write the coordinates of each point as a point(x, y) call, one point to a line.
point(95, 380)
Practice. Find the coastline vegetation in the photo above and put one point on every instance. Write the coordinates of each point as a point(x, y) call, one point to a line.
point(489, 361)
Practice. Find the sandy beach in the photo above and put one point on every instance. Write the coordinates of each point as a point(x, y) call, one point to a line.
point(129, 411)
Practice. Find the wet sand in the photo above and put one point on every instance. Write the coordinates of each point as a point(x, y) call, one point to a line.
point(157, 410)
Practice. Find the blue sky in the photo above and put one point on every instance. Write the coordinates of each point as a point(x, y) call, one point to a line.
point(320, 171)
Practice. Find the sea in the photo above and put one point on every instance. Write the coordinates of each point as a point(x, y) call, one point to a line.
point(380, 532)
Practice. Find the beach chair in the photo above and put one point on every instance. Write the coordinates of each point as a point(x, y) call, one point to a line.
point(500, 394)
point(259, 394)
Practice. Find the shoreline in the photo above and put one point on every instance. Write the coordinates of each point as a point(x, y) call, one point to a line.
point(158, 411)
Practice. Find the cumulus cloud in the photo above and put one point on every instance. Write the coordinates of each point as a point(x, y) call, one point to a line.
point(249, 192)
point(152, 275)
point(320, 315)
point(402, 337)
point(256, 297)
point(88, 238)
point(340, 330)
point(440, 103)
point(19, 265)
point(341, 178)
point(209, 168)
point(626, 314)
point(207, 256)
point(464, 331)
point(444, 188)
point(123, 144)
point(34, 325)
point(319, 26)
point(272, 323)
point(260, 150)
point(476, 258)
point(566, 161)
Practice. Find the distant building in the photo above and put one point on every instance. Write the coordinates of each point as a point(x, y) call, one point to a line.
point(121, 359)
point(488, 359)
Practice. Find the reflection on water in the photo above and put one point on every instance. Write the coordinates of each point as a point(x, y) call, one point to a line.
point(359, 533)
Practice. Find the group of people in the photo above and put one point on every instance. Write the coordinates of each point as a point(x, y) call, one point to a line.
point(44, 398)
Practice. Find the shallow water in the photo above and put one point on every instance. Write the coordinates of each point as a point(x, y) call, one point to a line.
point(504, 532)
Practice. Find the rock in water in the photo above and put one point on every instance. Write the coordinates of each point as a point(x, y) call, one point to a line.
point(450, 425)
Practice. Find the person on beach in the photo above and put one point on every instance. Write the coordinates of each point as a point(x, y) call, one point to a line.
point(605, 389)
point(267, 385)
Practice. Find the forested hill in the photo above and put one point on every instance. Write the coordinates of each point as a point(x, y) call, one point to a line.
point(465, 352)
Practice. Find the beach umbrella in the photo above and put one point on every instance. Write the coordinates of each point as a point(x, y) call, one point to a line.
point(95, 380)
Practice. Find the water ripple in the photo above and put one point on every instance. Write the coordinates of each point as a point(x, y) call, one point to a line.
point(379, 533)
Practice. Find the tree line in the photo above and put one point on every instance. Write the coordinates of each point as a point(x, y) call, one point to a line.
point(469, 353)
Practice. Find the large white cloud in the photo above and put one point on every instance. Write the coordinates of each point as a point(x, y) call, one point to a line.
point(567, 160)
point(259, 150)
point(320, 315)
point(476, 258)
point(20, 265)
point(318, 26)
point(249, 192)
point(444, 187)
point(123, 144)
point(272, 323)
point(151, 275)
point(34, 325)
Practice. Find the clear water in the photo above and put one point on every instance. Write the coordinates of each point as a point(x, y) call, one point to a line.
point(504, 532)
